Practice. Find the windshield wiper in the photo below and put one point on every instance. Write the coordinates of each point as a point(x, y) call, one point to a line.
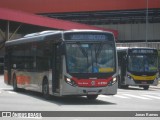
point(84, 52)
point(98, 51)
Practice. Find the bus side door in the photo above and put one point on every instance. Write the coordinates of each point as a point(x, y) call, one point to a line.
point(56, 65)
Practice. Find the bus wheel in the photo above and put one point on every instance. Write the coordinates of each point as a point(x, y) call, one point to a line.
point(15, 88)
point(125, 86)
point(45, 89)
point(146, 87)
point(92, 97)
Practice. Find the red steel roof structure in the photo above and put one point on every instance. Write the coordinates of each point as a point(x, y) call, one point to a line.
point(28, 11)
point(28, 18)
point(59, 6)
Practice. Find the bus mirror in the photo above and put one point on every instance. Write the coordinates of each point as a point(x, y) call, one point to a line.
point(14, 66)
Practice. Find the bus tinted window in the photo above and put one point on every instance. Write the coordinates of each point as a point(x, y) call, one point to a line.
point(142, 63)
point(90, 58)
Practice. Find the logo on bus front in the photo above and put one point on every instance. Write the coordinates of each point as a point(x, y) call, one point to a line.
point(93, 83)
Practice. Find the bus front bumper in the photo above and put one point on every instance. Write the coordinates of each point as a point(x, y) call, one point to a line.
point(130, 81)
point(82, 91)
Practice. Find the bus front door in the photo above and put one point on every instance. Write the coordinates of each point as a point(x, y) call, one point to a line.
point(55, 68)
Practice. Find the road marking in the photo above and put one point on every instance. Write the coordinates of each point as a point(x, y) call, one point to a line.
point(120, 96)
point(6, 88)
point(105, 96)
point(11, 92)
point(122, 92)
point(150, 96)
point(135, 96)
point(153, 94)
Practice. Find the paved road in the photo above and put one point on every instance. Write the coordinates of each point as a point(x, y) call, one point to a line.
point(131, 99)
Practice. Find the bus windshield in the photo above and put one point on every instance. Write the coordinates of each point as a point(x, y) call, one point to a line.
point(143, 63)
point(90, 57)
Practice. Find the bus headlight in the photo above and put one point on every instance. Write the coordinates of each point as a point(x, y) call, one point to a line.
point(113, 81)
point(129, 76)
point(70, 82)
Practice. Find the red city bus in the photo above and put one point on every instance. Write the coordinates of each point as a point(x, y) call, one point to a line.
point(60, 63)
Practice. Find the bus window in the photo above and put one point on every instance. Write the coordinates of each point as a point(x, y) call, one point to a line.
point(143, 63)
point(94, 57)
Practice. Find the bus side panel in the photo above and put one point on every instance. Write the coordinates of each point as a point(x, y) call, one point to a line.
point(6, 79)
point(121, 67)
point(35, 80)
point(7, 66)
point(30, 80)
point(1, 64)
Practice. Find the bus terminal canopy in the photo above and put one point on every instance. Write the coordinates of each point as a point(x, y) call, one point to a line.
point(40, 21)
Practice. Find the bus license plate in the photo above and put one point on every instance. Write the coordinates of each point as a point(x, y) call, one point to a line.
point(92, 92)
point(144, 82)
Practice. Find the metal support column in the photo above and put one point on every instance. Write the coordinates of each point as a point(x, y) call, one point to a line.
point(10, 37)
point(147, 23)
point(2, 35)
point(7, 31)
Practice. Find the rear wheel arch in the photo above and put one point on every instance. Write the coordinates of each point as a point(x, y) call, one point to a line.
point(45, 88)
point(13, 77)
point(45, 79)
point(14, 82)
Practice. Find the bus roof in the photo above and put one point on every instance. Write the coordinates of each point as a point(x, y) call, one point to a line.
point(32, 37)
point(38, 36)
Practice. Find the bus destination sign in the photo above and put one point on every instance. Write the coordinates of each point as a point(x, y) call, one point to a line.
point(143, 51)
point(89, 37)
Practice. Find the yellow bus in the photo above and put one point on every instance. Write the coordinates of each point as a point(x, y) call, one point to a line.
point(138, 66)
